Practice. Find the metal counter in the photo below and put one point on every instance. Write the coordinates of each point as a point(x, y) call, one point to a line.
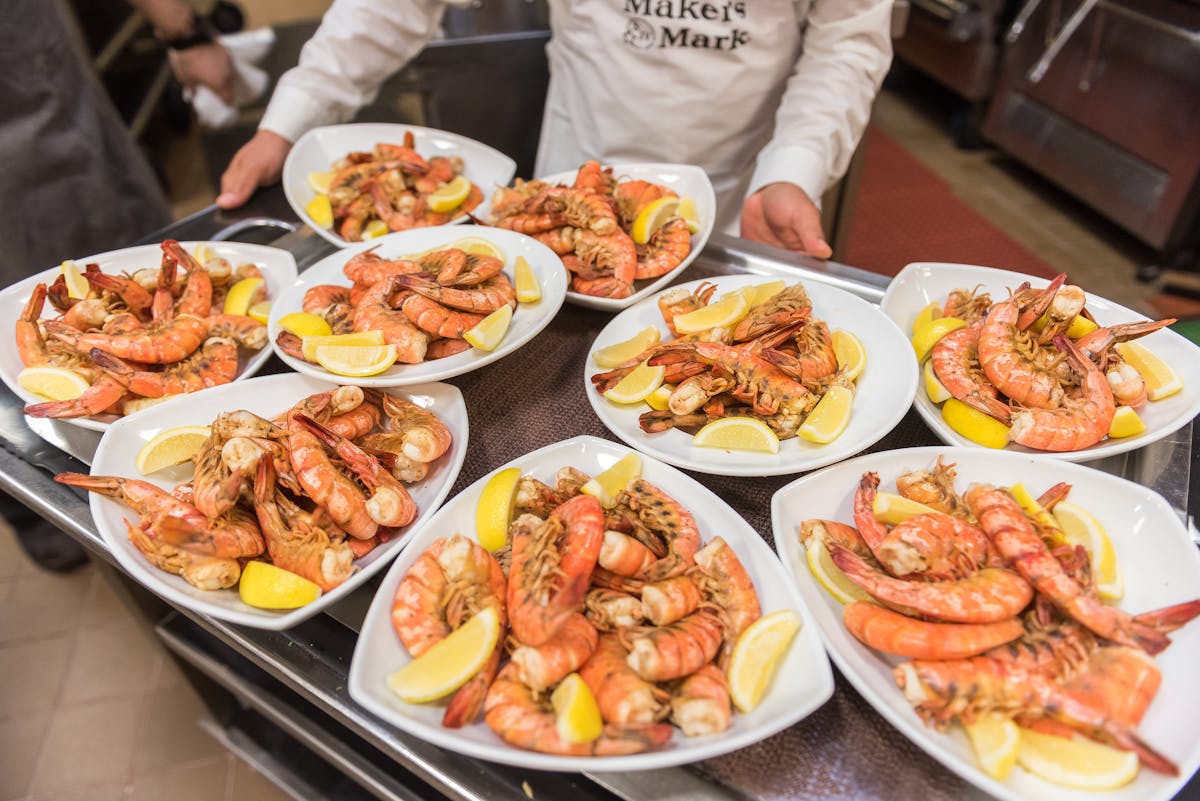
point(279, 699)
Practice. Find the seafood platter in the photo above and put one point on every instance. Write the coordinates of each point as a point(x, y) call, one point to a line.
point(1037, 366)
point(399, 286)
point(623, 231)
point(776, 363)
point(966, 593)
point(111, 334)
point(556, 549)
point(263, 487)
point(379, 177)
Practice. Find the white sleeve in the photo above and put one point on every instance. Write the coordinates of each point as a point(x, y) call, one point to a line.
point(359, 44)
point(827, 100)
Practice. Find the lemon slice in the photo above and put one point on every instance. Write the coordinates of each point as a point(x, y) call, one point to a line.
point(241, 295)
point(974, 424)
point(488, 332)
point(1079, 527)
point(687, 210)
point(764, 292)
point(528, 289)
point(996, 741)
point(266, 586)
point(449, 664)
point(605, 486)
point(374, 229)
point(576, 714)
point(925, 315)
point(618, 354)
point(320, 211)
point(1078, 763)
point(1080, 326)
point(660, 398)
point(653, 217)
point(1038, 513)
point(830, 576)
point(894, 509)
point(478, 246)
point(851, 355)
point(640, 382)
point(305, 324)
point(494, 510)
point(449, 196)
point(171, 447)
point(1125, 423)
point(829, 419)
point(726, 311)
point(319, 181)
point(1161, 379)
point(52, 383)
point(77, 286)
point(927, 335)
point(135, 405)
point(312, 342)
point(356, 361)
point(260, 311)
point(934, 388)
point(757, 654)
point(203, 253)
point(738, 434)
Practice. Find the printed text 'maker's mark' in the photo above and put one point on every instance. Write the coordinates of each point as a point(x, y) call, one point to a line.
point(684, 37)
point(686, 9)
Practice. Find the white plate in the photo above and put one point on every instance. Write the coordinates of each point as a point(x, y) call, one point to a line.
point(277, 266)
point(266, 396)
point(687, 181)
point(809, 679)
point(527, 320)
point(317, 150)
point(1161, 567)
point(883, 391)
point(921, 283)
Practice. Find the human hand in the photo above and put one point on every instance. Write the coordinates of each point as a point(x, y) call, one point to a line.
point(205, 65)
point(782, 214)
point(258, 163)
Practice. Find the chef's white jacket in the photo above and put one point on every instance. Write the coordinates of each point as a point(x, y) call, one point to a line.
point(753, 91)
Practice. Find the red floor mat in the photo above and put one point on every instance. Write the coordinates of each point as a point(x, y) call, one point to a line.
point(905, 213)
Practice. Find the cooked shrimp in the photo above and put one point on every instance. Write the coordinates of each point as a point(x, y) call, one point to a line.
point(543, 666)
point(214, 364)
point(485, 297)
point(677, 301)
point(935, 489)
point(666, 250)
point(424, 434)
point(96, 399)
point(675, 650)
point(1081, 421)
point(609, 610)
point(624, 555)
point(160, 342)
point(434, 318)
point(727, 586)
point(625, 698)
point(955, 361)
point(670, 599)
point(894, 633)
point(1010, 357)
point(700, 705)
point(202, 572)
point(376, 313)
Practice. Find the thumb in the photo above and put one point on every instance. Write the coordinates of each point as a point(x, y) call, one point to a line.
point(812, 239)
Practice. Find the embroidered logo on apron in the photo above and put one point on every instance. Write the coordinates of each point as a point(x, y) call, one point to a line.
point(666, 23)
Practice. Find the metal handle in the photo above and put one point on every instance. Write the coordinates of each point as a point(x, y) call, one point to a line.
point(232, 230)
point(1189, 36)
point(1042, 66)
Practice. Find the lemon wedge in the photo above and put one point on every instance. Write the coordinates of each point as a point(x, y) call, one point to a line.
point(494, 510)
point(851, 355)
point(305, 324)
point(356, 361)
point(830, 576)
point(829, 418)
point(203, 253)
point(319, 181)
point(171, 447)
point(241, 295)
point(260, 311)
point(311, 342)
point(1161, 379)
point(757, 654)
point(974, 424)
point(1125, 423)
point(528, 289)
point(996, 741)
point(1078, 763)
point(374, 229)
point(450, 196)
point(640, 382)
point(687, 210)
point(660, 398)
point(576, 714)
point(266, 586)
point(488, 332)
point(934, 388)
point(726, 311)
point(605, 486)
point(894, 509)
point(927, 335)
point(77, 286)
point(320, 211)
point(52, 383)
point(1079, 527)
point(931, 312)
point(1080, 326)
point(449, 664)
point(621, 352)
point(654, 216)
point(478, 246)
point(764, 292)
point(1038, 513)
point(738, 434)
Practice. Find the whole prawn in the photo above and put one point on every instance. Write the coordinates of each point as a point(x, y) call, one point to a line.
point(893, 633)
point(1080, 421)
point(214, 364)
point(376, 313)
point(666, 250)
point(483, 298)
point(955, 360)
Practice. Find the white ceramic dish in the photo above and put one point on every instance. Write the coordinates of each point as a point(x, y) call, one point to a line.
point(808, 684)
point(883, 391)
point(266, 396)
point(687, 181)
point(277, 266)
point(317, 150)
point(921, 283)
point(527, 320)
point(1160, 564)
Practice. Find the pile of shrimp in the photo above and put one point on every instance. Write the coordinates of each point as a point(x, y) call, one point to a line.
point(423, 305)
point(627, 597)
point(148, 335)
point(775, 364)
point(997, 613)
point(588, 223)
point(1056, 394)
point(390, 184)
point(310, 491)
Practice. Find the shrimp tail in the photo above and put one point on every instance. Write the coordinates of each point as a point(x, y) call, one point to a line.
point(1169, 618)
